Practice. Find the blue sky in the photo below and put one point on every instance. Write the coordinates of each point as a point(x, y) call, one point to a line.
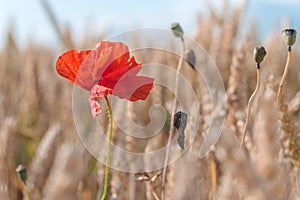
point(30, 22)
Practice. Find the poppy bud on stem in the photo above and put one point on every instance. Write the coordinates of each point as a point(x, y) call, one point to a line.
point(289, 35)
point(258, 55)
point(178, 32)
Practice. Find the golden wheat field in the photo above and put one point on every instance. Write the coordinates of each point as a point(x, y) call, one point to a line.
point(43, 157)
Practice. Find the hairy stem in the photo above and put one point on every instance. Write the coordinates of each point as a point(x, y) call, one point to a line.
point(286, 69)
point(250, 102)
point(106, 180)
point(171, 132)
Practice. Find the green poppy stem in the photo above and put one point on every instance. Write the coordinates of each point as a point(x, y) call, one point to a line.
point(106, 180)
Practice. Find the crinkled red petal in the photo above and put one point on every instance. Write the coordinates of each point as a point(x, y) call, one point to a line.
point(98, 91)
point(69, 63)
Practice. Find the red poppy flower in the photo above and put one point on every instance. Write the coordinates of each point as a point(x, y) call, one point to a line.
point(106, 70)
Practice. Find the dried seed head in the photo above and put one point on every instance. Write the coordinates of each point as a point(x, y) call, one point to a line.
point(289, 35)
point(258, 54)
point(190, 57)
point(177, 30)
point(22, 172)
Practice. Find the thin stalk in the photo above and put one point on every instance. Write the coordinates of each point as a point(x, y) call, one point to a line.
point(26, 192)
point(213, 177)
point(250, 102)
point(286, 69)
point(171, 132)
point(105, 188)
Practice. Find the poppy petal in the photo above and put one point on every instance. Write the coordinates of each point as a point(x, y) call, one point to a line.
point(143, 87)
point(130, 86)
point(107, 58)
point(123, 69)
point(119, 55)
point(69, 63)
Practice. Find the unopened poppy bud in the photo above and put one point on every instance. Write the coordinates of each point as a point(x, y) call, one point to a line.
point(177, 30)
point(289, 35)
point(258, 54)
point(180, 121)
point(22, 173)
point(190, 57)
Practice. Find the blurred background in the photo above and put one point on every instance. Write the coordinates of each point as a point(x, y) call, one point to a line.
point(36, 123)
point(29, 19)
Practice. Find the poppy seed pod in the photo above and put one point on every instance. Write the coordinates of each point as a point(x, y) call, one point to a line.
point(258, 54)
point(289, 35)
point(190, 57)
point(22, 173)
point(177, 30)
